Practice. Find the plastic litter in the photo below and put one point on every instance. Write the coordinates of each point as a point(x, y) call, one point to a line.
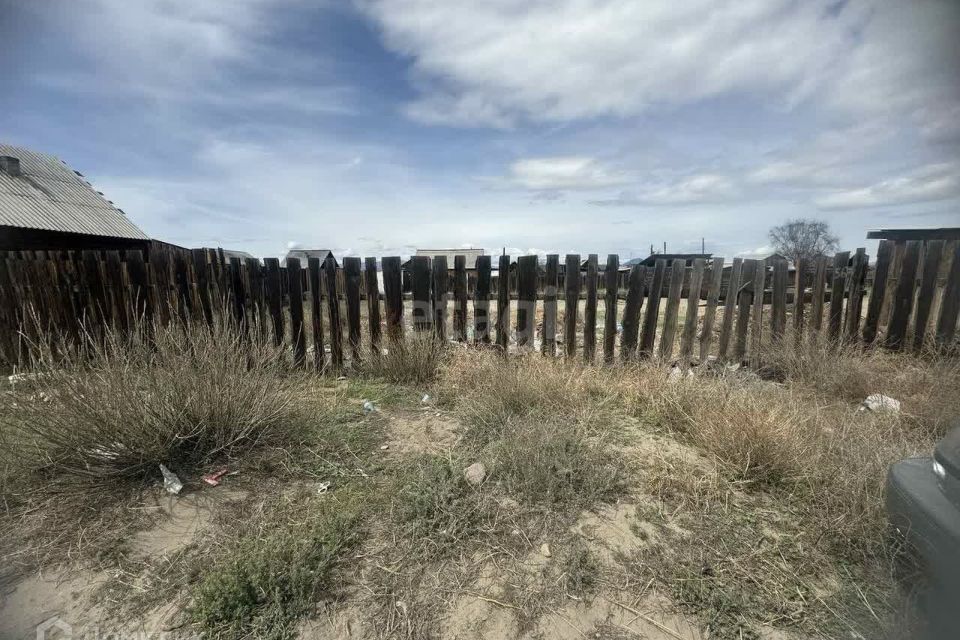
point(475, 474)
point(425, 399)
point(323, 487)
point(171, 483)
point(880, 402)
point(213, 479)
point(545, 550)
point(369, 407)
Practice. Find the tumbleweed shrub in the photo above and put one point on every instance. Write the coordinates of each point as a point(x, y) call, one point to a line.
point(114, 407)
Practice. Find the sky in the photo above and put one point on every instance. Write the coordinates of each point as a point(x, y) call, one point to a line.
point(374, 127)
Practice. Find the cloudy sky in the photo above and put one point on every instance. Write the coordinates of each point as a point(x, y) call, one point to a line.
point(377, 126)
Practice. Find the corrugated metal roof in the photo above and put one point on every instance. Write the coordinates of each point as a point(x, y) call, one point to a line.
point(303, 254)
point(470, 254)
point(49, 195)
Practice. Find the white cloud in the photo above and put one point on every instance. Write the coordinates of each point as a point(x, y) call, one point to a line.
point(930, 183)
point(494, 63)
point(563, 172)
point(700, 188)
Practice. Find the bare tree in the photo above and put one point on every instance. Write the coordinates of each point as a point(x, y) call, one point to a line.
point(803, 239)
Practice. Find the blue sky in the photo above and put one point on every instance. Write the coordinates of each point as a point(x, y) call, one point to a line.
point(377, 126)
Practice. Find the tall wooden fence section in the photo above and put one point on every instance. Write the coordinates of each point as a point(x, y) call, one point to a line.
point(328, 314)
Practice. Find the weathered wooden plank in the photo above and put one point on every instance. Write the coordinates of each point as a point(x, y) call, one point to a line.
point(271, 286)
point(631, 313)
point(590, 310)
point(817, 291)
point(372, 288)
point(258, 308)
point(393, 296)
point(181, 276)
point(333, 313)
point(526, 299)
point(799, 304)
point(932, 253)
point(612, 284)
point(729, 307)
point(650, 321)
point(710, 314)
point(902, 302)
point(440, 296)
point(351, 282)
point(420, 278)
point(460, 298)
point(239, 296)
point(854, 312)
point(689, 333)
point(778, 312)
point(571, 302)
point(141, 295)
point(745, 296)
point(837, 292)
point(950, 301)
point(118, 294)
point(481, 302)
point(295, 287)
point(93, 284)
point(877, 291)
point(503, 303)
point(756, 327)
point(314, 269)
point(201, 275)
point(552, 267)
point(678, 270)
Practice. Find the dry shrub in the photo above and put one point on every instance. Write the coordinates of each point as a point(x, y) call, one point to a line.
point(112, 410)
point(414, 360)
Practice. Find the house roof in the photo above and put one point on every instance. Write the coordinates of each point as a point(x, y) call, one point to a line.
point(942, 233)
point(304, 254)
point(50, 195)
point(470, 254)
point(652, 258)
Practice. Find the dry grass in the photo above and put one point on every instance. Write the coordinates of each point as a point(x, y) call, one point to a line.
point(414, 360)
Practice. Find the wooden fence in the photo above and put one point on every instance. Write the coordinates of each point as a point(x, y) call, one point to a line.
point(909, 299)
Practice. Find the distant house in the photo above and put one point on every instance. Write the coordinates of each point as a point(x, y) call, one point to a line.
point(46, 205)
point(651, 260)
point(471, 256)
point(303, 255)
point(242, 255)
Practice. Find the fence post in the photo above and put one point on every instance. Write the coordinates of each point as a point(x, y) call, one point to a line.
point(745, 296)
point(393, 296)
point(440, 287)
point(503, 303)
point(333, 313)
point(351, 281)
point(836, 293)
point(481, 302)
point(526, 299)
point(730, 307)
point(903, 297)
point(272, 288)
point(678, 269)
point(689, 333)
point(950, 301)
point(373, 303)
point(710, 314)
point(590, 311)
point(778, 314)
point(316, 312)
point(295, 287)
point(631, 312)
point(420, 288)
point(460, 298)
point(855, 295)
point(612, 284)
point(932, 252)
point(877, 292)
point(649, 335)
point(549, 346)
point(571, 303)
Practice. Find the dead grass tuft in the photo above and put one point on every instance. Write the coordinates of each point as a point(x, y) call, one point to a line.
point(416, 359)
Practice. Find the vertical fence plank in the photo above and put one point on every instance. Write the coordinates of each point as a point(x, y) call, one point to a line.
point(393, 296)
point(932, 252)
point(950, 301)
point(481, 302)
point(729, 307)
point(182, 280)
point(526, 299)
point(201, 274)
point(549, 346)
point(440, 296)
point(503, 303)
point(678, 269)
point(858, 275)
point(877, 291)
point(745, 296)
point(239, 296)
point(631, 312)
point(333, 313)
point(571, 303)
point(778, 313)
point(271, 285)
point(258, 299)
point(693, 307)
point(590, 310)
point(316, 312)
point(837, 286)
point(799, 291)
point(351, 281)
point(759, 294)
point(460, 298)
point(818, 291)
point(650, 321)
point(420, 288)
point(373, 303)
point(295, 287)
point(710, 314)
point(903, 297)
point(610, 301)
point(119, 302)
point(93, 284)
